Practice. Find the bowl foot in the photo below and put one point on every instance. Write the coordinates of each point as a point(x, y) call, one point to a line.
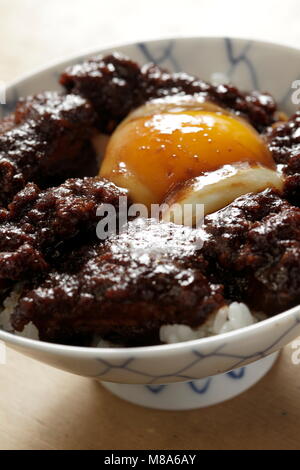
point(195, 394)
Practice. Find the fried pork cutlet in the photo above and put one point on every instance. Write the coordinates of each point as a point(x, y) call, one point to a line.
point(149, 275)
point(46, 140)
point(115, 85)
point(38, 222)
point(284, 143)
point(254, 248)
point(156, 273)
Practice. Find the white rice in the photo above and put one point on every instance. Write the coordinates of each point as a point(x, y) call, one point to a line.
point(228, 318)
point(9, 304)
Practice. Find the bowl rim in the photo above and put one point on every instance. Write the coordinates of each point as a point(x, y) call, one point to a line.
point(88, 352)
point(90, 52)
point(140, 351)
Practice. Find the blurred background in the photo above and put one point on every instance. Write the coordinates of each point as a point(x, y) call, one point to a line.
point(34, 32)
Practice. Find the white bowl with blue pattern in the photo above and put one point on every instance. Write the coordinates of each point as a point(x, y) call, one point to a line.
point(158, 370)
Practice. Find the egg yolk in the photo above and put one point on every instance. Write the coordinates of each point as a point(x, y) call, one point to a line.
point(150, 154)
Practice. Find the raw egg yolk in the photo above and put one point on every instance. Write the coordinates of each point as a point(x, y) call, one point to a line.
point(150, 154)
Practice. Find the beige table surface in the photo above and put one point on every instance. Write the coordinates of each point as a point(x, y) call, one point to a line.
point(43, 408)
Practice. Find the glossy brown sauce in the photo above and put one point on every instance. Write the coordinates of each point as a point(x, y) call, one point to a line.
point(73, 285)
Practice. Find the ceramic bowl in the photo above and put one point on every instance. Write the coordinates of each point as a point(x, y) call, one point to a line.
point(249, 65)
